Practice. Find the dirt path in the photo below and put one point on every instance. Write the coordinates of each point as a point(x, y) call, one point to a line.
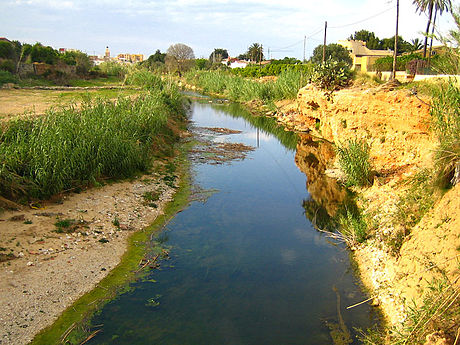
point(44, 269)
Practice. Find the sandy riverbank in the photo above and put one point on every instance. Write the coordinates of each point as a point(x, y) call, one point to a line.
point(50, 270)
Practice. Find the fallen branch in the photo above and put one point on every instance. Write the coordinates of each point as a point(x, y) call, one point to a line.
point(67, 332)
point(366, 300)
point(91, 336)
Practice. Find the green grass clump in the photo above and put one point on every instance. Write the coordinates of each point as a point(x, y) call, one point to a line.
point(445, 112)
point(73, 147)
point(65, 225)
point(355, 163)
point(352, 224)
point(417, 201)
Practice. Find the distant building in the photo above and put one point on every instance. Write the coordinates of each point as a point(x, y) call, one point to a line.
point(65, 50)
point(130, 58)
point(4, 39)
point(107, 54)
point(363, 57)
point(96, 59)
point(235, 63)
point(120, 58)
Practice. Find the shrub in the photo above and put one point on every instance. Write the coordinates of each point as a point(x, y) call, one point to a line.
point(331, 75)
point(355, 163)
point(7, 65)
point(7, 77)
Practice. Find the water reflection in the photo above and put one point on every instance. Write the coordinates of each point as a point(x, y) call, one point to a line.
point(246, 267)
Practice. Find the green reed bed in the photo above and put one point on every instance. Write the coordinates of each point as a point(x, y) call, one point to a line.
point(71, 147)
point(244, 90)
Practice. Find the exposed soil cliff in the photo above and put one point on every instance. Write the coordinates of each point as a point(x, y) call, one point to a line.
point(396, 125)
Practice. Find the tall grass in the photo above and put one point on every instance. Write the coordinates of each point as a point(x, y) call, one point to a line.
point(143, 78)
point(244, 90)
point(438, 314)
point(355, 163)
point(70, 147)
point(445, 113)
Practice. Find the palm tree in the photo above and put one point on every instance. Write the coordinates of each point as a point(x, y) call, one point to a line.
point(416, 44)
point(256, 52)
point(430, 5)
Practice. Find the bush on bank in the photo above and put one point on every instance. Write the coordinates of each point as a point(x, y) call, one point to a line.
point(41, 156)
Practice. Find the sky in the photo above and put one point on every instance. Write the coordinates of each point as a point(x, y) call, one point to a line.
point(143, 26)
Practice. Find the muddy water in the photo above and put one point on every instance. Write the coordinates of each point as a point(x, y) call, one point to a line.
point(246, 265)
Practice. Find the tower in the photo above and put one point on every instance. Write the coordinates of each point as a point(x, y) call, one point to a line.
point(107, 53)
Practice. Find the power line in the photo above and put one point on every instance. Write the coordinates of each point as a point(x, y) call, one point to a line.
point(363, 20)
point(316, 32)
point(289, 46)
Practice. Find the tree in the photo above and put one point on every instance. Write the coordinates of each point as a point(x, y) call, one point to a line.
point(334, 52)
point(255, 52)
point(430, 5)
point(416, 44)
point(6, 50)
point(218, 55)
point(243, 56)
point(389, 43)
point(157, 57)
point(179, 58)
point(40, 53)
point(181, 52)
point(372, 41)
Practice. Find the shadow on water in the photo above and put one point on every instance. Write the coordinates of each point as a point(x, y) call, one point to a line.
point(246, 266)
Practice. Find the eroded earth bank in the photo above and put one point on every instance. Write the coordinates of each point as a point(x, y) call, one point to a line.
point(396, 125)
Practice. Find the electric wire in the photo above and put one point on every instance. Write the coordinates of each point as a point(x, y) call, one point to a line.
point(362, 20)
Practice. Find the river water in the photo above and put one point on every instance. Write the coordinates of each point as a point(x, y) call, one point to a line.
point(246, 265)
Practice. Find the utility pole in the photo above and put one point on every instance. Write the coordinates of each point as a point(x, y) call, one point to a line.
point(393, 73)
point(324, 44)
point(269, 54)
point(261, 52)
point(304, 44)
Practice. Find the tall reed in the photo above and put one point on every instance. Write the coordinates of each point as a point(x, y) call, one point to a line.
point(70, 147)
point(244, 90)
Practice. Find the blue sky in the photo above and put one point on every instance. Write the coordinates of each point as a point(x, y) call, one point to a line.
point(142, 26)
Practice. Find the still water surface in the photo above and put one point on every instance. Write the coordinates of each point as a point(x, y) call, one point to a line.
point(247, 266)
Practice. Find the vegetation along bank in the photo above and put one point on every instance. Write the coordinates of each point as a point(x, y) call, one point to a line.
point(61, 239)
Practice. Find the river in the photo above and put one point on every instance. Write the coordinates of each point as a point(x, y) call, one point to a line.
point(246, 265)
